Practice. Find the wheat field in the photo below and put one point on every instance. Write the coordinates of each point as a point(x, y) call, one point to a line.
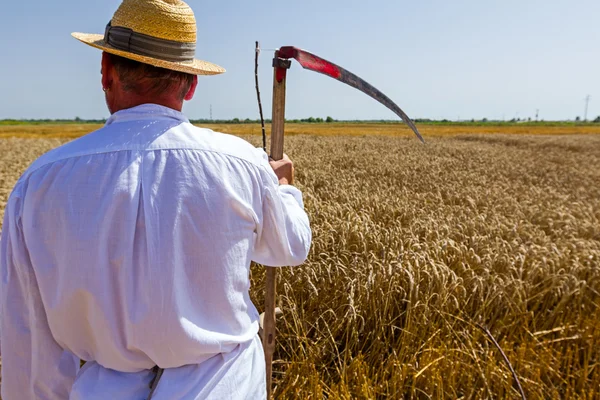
point(416, 249)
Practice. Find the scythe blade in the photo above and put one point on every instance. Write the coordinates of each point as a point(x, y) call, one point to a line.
point(315, 63)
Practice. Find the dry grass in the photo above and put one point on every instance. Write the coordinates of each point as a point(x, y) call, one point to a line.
point(399, 129)
point(67, 131)
point(336, 129)
point(415, 244)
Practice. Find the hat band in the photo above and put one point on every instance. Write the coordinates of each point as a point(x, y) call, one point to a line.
point(133, 42)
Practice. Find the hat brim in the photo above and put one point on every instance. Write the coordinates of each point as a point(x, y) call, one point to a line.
point(196, 67)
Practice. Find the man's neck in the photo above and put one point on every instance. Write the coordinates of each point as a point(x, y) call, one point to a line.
point(130, 102)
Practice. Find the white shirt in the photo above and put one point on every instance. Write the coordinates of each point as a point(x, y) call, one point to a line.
point(130, 247)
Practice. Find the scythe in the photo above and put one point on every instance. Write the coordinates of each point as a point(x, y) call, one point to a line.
point(281, 63)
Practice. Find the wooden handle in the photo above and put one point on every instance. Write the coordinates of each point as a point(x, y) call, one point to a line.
point(277, 128)
point(269, 326)
point(278, 119)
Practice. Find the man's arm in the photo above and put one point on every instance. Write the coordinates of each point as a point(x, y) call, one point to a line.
point(284, 236)
point(34, 366)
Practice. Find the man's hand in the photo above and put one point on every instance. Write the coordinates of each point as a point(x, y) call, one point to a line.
point(284, 169)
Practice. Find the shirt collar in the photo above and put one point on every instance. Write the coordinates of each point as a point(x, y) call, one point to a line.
point(146, 111)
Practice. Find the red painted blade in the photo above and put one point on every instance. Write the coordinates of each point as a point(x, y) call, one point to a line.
point(315, 63)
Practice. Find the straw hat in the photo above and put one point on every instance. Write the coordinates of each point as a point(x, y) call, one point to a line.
point(161, 33)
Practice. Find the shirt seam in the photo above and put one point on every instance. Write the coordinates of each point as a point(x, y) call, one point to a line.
point(140, 151)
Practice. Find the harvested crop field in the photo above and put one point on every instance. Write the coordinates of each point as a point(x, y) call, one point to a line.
point(417, 249)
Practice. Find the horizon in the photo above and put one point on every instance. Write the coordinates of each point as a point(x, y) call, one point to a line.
point(236, 120)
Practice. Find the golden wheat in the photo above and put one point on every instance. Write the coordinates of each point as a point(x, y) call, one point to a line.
point(416, 244)
point(71, 131)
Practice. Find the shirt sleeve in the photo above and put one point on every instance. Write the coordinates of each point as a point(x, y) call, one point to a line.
point(34, 366)
point(284, 234)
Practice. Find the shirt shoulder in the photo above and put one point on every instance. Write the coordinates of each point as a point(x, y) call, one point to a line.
point(160, 135)
point(188, 136)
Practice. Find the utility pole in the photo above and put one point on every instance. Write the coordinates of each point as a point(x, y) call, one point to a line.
point(211, 112)
point(587, 103)
point(537, 114)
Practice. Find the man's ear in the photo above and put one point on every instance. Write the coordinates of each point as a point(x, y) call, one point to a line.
point(107, 71)
point(190, 94)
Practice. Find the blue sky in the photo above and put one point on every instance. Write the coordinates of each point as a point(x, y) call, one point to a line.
point(435, 58)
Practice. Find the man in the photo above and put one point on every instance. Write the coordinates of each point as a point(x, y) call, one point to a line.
point(130, 247)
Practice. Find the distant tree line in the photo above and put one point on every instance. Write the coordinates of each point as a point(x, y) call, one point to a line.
point(76, 120)
point(310, 120)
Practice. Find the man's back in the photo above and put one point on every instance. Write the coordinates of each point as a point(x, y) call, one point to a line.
point(140, 236)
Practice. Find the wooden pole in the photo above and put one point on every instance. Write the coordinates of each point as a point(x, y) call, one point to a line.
point(260, 110)
point(278, 119)
point(277, 128)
